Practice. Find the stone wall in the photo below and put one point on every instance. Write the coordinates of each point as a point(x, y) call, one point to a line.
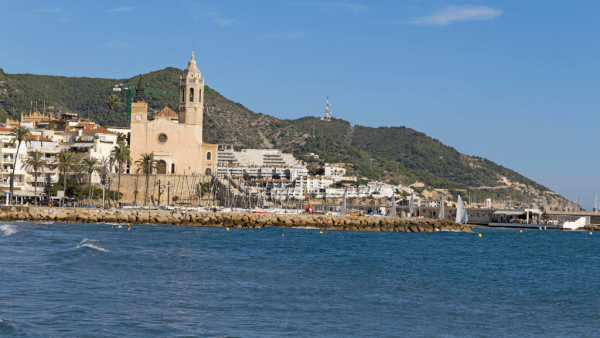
point(133, 188)
point(233, 220)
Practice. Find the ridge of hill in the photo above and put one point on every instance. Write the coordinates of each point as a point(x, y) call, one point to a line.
point(391, 154)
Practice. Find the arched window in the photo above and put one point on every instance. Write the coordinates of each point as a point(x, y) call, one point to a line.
point(209, 156)
point(199, 95)
point(182, 94)
point(161, 167)
point(191, 94)
point(207, 172)
point(172, 168)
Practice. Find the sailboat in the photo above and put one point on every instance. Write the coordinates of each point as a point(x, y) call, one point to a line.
point(393, 208)
point(461, 212)
point(411, 205)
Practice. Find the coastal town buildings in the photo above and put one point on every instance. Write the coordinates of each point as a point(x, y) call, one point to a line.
point(256, 157)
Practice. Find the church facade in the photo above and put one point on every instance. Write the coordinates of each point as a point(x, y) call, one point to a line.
point(176, 143)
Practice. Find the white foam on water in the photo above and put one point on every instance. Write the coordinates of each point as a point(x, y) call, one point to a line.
point(124, 224)
point(305, 228)
point(8, 229)
point(89, 243)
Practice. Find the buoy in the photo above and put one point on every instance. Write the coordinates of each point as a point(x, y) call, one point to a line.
point(282, 235)
point(520, 230)
point(320, 232)
point(479, 235)
point(590, 232)
point(227, 229)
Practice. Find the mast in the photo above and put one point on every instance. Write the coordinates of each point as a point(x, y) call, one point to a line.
point(327, 112)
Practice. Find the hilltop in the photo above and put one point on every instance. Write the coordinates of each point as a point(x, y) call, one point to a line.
point(392, 154)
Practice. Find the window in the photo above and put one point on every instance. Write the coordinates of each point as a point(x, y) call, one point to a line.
point(161, 167)
point(191, 94)
point(162, 138)
point(172, 168)
point(183, 94)
point(209, 156)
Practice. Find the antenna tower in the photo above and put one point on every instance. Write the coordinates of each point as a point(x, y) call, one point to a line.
point(327, 112)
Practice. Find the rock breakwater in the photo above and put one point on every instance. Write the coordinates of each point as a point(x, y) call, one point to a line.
point(232, 220)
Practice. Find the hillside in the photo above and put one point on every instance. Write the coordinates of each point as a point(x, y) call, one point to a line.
point(394, 154)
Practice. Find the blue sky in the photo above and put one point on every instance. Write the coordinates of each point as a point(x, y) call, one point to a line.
point(513, 81)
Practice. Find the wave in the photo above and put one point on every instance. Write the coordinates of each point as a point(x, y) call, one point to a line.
point(90, 243)
point(9, 229)
point(5, 327)
point(306, 228)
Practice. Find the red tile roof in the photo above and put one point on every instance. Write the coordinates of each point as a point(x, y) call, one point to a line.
point(99, 130)
point(37, 138)
point(166, 113)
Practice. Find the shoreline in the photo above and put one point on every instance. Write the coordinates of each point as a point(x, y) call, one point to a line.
point(230, 220)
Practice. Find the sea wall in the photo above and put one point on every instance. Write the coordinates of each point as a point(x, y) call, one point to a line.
point(232, 220)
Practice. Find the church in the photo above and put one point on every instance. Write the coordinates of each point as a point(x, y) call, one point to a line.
point(176, 142)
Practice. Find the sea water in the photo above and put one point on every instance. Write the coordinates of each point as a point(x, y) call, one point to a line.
point(94, 280)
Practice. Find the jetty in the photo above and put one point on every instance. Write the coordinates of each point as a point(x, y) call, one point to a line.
point(229, 219)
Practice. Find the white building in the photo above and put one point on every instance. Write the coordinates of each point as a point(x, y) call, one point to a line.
point(90, 143)
point(268, 172)
point(333, 170)
point(256, 157)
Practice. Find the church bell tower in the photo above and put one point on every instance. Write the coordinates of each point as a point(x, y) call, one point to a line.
point(191, 94)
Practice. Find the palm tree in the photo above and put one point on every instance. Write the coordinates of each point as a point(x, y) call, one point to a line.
point(20, 134)
point(121, 154)
point(112, 100)
point(146, 164)
point(121, 138)
point(90, 166)
point(35, 162)
point(66, 161)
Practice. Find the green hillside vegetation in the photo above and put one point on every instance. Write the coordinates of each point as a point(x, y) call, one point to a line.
point(416, 152)
point(394, 154)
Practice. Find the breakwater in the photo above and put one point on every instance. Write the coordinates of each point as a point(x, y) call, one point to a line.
point(232, 220)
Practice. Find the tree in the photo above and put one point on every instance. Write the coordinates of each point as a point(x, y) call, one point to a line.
point(121, 138)
point(146, 164)
point(20, 134)
point(66, 161)
point(112, 100)
point(121, 154)
point(90, 166)
point(35, 162)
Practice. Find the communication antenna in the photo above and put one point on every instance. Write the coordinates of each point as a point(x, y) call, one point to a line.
point(318, 111)
point(327, 112)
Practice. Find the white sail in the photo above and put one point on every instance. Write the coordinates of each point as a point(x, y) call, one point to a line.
point(411, 205)
point(461, 212)
point(441, 213)
point(393, 208)
point(343, 206)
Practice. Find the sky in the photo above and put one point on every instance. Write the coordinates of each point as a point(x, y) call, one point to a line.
point(516, 82)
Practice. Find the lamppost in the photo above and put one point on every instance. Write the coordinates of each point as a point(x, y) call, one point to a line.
point(161, 189)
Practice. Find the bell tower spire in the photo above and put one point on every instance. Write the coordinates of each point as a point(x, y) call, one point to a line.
point(191, 94)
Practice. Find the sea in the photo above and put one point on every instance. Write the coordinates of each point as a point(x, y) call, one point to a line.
point(95, 280)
